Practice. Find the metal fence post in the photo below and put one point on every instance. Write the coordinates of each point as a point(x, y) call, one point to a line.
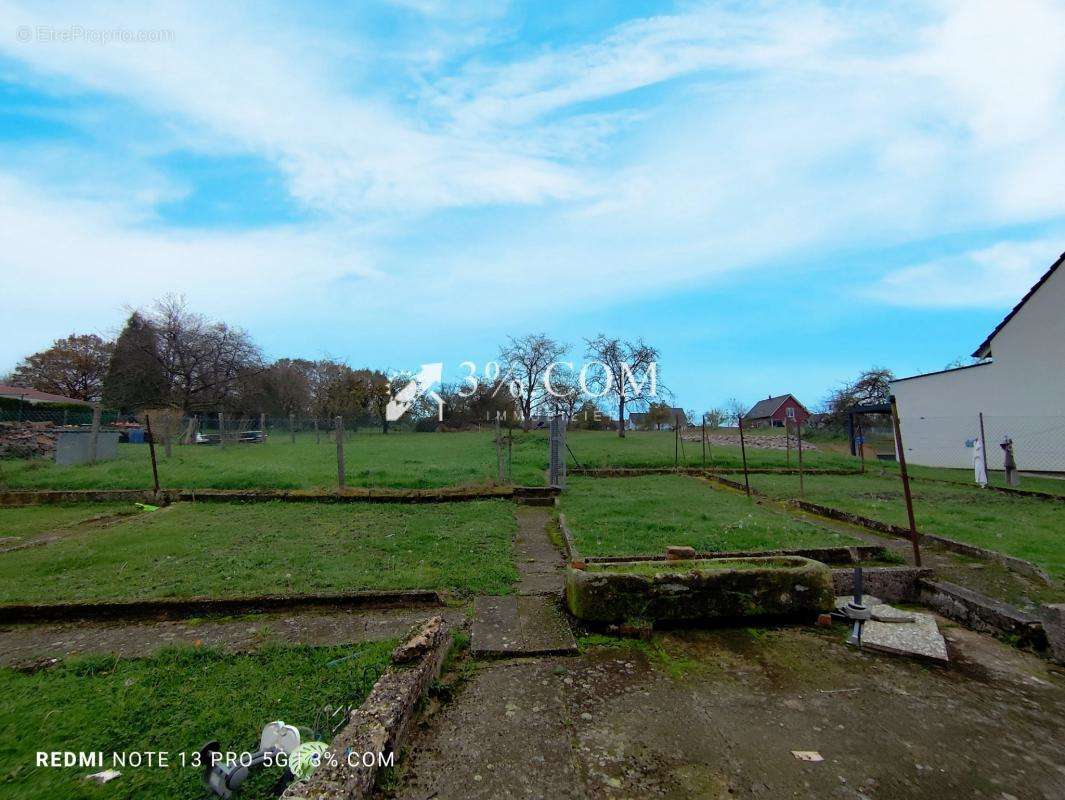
point(743, 452)
point(905, 481)
point(221, 430)
point(317, 432)
point(983, 440)
point(798, 438)
point(553, 471)
point(339, 425)
point(292, 428)
point(94, 433)
point(151, 450)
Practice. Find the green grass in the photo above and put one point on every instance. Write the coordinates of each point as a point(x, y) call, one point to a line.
point(398, 460)
point(224, 550)
point(657, 449)
point(631, 516)
point(174, 701)
point(26, 521)
point(1027, 528)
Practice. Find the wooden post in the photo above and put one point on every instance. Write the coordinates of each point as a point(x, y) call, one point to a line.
point(702, 441)
point(94, 433)
point(798, 437)
point(317, 432)
point(510, 449)
point(221, 430)
point(292, 428)
point(151, 449)
point(743, 451)
point(905, 481)
point(339, 426)
point(787, 440)
point(676, 445)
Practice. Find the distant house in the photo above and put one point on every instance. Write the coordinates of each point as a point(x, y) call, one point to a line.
point(33, 396)
point(774, 411)
point(1014, 390)
point(642, 420)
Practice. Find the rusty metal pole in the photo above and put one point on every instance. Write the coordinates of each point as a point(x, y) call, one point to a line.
point(787, 439)
point(861, 447)
point(703, 441)
point(798, 438)
point(743, 451)
point(983, 440)
point(339, 425)
point(676, 444)
point(905, 481)
point(151, 449)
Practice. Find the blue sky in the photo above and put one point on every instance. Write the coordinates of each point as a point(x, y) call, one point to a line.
point(776, 195)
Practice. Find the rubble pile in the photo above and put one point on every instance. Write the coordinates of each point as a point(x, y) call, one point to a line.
point(27, 440)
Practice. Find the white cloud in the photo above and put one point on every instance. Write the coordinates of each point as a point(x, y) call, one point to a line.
point(991, 277)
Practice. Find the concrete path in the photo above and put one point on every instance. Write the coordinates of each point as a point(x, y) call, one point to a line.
point(530, 622)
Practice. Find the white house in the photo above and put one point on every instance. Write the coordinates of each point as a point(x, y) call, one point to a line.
point(1018, 387)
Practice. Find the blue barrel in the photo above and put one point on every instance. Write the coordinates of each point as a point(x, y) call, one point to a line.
point(136, 435)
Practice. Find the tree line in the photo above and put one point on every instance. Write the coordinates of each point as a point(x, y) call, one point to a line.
point(171, 357)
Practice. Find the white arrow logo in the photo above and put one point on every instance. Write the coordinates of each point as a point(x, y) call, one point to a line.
point(428, 375)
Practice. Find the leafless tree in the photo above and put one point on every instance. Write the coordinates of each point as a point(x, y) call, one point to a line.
point(202, 360)
point(525, 361)
point(734, 410)
point(624, 362)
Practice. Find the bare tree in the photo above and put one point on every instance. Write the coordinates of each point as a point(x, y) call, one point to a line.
point(622, 362)
point(734, 410)
point(525, 361)
point(201, 360)
point(72, 367)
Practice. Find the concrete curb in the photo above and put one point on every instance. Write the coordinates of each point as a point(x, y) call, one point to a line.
point(380, 726)
point(1018, 565)
point(29, 497)
point(826, 555)
point(980, 613)
point(181, 608)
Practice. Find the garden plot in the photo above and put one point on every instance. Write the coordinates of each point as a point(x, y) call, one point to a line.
point(1023, 527)
point(640, 516)
point(224, 550)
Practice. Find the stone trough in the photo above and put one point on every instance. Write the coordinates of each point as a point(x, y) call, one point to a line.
point(699, 590)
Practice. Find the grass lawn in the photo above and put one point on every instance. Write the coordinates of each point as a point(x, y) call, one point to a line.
point(1024, 527)
point(399, 460)
point(174, 701)
point(630, 516)
point(657, 449)
point(27, 521)
point(223, 550)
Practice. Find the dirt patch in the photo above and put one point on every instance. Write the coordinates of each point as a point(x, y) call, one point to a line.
point(23, 645)
point(718, 714)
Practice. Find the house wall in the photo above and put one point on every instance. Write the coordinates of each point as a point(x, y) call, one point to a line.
point(1021, 394)
point(781, 414)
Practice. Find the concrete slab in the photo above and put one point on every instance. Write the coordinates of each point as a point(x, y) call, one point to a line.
point(516, 625)
point(540, 564)
point(920, 638)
